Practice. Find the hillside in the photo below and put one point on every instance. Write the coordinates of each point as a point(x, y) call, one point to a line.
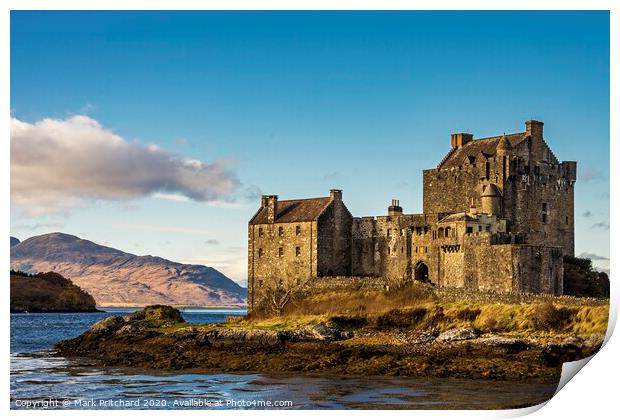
point(47, 292)
point(114, 277)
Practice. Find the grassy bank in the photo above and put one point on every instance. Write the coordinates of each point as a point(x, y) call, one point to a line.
point(418, 308)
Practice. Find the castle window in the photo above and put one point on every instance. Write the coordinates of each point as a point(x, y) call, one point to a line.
point(487, 170)
point(297, 230)
point(416, 249)
point(469, 229)
point(280, 231)
point(448, 233)
point(260, 232)
point(389, 233)
point(297, 251)
point(440, 232)
point(479, 228)
point(566, 219)
point(545, 218)
point(260, 252)
point(280, 252)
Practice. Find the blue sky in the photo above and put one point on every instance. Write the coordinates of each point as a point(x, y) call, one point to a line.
point(295, 103)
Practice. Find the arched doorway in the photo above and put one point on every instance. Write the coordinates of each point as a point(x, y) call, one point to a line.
point(420, 272)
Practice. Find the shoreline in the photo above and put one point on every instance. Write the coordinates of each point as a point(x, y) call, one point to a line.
point(142, 306)
point(58, 311)
point(165, 343)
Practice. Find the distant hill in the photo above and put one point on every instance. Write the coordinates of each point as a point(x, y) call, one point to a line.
point(47, 292)
point(115, 277)
point(14, 241)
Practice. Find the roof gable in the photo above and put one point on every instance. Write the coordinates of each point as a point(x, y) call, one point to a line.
point(486, 147)
point(303, 210)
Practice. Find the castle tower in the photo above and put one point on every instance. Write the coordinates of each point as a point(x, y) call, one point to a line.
point(491, 199)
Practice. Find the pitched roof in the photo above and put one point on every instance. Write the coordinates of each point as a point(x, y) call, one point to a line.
point(457, 217)
point(303, 210)
point(491, 191)
point(487, 146)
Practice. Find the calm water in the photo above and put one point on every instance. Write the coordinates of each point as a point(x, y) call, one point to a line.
point(40, 378)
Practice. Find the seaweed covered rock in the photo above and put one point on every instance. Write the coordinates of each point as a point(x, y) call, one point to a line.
point(107, 325)
point(458, 334)
point(156, 316)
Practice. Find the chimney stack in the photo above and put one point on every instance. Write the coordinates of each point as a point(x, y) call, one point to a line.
point(395, 209)
point(335, 195)
point(460, 139)
point(271, 203)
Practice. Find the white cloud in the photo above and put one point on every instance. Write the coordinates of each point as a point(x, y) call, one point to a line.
point(164, 228)
point(233, 264)
point(592, 256)
point(57, 164)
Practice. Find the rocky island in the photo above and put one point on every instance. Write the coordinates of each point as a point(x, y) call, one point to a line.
point(48, 292)
point(407, 332)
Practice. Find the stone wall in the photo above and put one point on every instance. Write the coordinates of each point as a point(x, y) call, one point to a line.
point(365, 257)
point(334, 240)
point(280, 253)
point(539, 202)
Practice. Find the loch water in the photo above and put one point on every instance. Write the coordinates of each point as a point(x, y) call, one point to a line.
point(42, 380)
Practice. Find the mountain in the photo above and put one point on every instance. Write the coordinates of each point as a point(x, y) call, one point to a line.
point(14, 241)
point(115, 277)
point(48, 292)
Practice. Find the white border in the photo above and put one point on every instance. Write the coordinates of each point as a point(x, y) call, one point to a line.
point(594, 392)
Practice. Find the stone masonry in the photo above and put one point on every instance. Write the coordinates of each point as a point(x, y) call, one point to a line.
point(498, 216)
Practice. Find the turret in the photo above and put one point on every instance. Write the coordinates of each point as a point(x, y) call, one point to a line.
point(535, 130)
point(491, 199)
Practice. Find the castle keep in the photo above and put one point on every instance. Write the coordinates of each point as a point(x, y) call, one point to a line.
point(497, 216)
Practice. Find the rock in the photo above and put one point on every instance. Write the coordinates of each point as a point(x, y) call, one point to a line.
point(238, 337)
point(156, 316)
point(574, 341)
point(556, 354)
point(425, 337)
point(458, 334)
point(317, 333)
point(132, 328)
point(107, 325)
point(595, 340)
point(510, 345)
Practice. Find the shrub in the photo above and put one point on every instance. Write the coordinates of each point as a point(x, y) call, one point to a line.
point(546, 316)
point(468, 314)
point(491, 324)
point(399, 318)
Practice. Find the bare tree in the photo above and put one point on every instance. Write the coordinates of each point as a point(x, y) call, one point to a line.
point(279, 293)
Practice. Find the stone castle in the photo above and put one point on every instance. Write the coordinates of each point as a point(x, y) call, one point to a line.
point(497, 216)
